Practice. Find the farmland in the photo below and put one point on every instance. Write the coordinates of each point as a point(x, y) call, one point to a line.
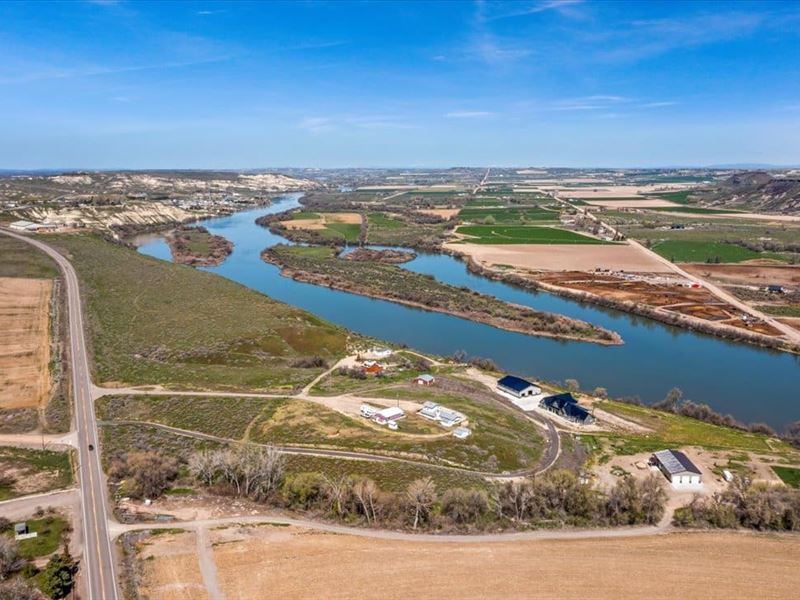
point(307, 563)
point(18, 259)
point(185, 327)
point(507, 216)
point(24, 342)
point(495, 234)
point(321, 266)
point(688, 251)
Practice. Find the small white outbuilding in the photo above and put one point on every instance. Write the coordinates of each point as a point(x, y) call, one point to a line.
point(677, 468)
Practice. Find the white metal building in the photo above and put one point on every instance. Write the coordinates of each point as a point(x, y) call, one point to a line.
point(677, 467)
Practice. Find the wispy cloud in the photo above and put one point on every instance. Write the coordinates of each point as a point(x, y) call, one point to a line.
point(493, 11)
point(469, 114)
point(595, 102)
point(318, 125)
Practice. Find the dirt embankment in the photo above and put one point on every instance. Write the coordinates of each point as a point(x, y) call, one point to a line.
point(387, 282)
point(197, 247)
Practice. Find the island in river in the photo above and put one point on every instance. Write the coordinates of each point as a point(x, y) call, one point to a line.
point(322, 266)
point(197, 247)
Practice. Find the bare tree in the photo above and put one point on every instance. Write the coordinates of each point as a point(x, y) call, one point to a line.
point(572, 385)
point(10, 560)
point(336, 490)
point(151, 472)
point(421, 496)
point(204, 465)
point(366, 491)
point(18, 590)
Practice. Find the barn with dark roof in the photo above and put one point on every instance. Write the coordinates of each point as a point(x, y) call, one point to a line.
point(566, 406)
point(516, 386)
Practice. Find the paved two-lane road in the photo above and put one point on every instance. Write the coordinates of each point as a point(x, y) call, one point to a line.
point(98, 560)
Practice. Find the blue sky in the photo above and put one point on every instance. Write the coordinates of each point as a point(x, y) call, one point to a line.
point(330, 84)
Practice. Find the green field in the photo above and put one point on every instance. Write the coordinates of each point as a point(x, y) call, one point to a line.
point(492, 234)
point(348, 232)
point(19, 259)
point(681, 197)
point(304, 216)
point(221, 416)
point(381, 221)
point(510, 215)
point(154, 322)
point(788, 475)
point(700, 252)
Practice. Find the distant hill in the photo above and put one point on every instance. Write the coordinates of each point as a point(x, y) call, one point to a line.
point(755, 190)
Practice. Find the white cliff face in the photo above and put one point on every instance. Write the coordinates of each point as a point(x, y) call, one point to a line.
point(152, 213)
point(132, 182)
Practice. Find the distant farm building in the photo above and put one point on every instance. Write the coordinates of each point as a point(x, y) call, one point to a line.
point(677, 468)
point(378, 353)
point(462, 433)
point(29, 226)
point(425, 379)
point(566, 406)
point(516, 386)
point(368, 411)
point(386, 415)
point(373, 368)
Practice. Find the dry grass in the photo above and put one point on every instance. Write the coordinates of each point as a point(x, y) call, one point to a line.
point(24, 342)
point(170, 568)
point(283, 563)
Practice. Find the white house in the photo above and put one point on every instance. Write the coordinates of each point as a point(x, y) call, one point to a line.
point(677, 468)
point(461, 433)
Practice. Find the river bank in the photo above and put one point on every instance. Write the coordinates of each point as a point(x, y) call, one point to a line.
point(322, 266)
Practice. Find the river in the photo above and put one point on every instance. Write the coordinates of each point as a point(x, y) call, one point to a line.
point(753, 384)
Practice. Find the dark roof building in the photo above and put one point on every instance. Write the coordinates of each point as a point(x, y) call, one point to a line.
point(517, 386)
point(565, 405)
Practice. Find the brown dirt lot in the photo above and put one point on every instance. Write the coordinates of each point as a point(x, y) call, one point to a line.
point(170, 567)
point(752, 274)
point(296, 563)
point(633, 203)
point(445, 213)
point(24, 341)
point(563, 257)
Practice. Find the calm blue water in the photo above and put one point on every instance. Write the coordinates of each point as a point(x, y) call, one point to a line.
point(751, 383)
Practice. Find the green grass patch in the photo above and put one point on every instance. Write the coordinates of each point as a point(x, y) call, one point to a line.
point(509, 215)
point(20, 259)
point(700, 252)
point(788, 475)
point(154, 322)
point(380, 220)
point(494, 234)
point(681, 197)
point(348, 232)
point(305, 216)
point(50, 536)
point(780, 310)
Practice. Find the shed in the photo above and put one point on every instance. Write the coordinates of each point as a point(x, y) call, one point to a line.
point(516, 386)
point(425, 379)
point(430, 410)
point(677, 468)
point(462, 432)
point(20, 529)
point(392, 413)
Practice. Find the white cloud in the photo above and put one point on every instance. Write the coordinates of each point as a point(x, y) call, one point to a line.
point(468, 114)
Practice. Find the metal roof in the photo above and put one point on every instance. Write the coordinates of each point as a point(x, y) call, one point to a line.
point(676, 462)
point(515, 383)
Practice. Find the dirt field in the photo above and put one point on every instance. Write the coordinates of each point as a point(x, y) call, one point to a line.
point(615, 191)
point(752, 274)
point(445, 213)
point(24, 341)
point(561, 257)
point(325, 218)
point(170, 568)
point(294, 563)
